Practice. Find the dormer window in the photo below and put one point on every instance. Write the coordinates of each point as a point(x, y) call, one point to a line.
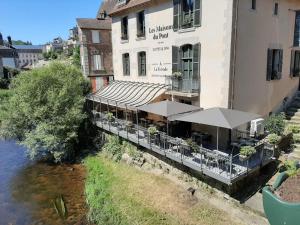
point(187, 14)
point(121, 2)
point(102, 15)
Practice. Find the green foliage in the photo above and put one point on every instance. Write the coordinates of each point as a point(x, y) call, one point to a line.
point(5, 94)
point(247, 151)
point(291, 168)
point(292, 128)
point(10, 72)
point(76, 57)
point(51, 55)
point(193, 145)
point(102, 210)
point(20, 42)
point(275, 124)
point(152, 130)
point(113, 148)
point(45, 111)
point(4, 83)
point(273, 139)
point(131, 150)
point(109, 116)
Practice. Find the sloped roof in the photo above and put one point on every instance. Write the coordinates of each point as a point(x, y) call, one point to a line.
point(130, 4)
point(28, 46)
point(107, 6)
point(88, 23)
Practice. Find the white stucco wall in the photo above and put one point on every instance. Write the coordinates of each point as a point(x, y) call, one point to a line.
point(257, 31)
point(214, 35)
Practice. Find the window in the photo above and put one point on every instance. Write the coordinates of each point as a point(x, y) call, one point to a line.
point(186, 14)
point(124, 28)
point(140, 21)
point(187, 61)
point(253, 4)
point(142, 63)
point(97, 62)
point(297, 29)
point(295, 64)
point(276, 8)
point(126, 64)
point(275, 59)
point(95, 36)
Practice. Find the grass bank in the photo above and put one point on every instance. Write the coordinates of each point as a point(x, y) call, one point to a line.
point(119, 194)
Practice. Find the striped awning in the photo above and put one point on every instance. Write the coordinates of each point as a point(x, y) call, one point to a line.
point(128, 94)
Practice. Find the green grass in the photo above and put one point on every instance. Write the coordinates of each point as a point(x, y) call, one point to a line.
point(119, 194)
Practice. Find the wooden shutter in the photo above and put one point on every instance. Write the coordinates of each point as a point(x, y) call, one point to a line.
point(292, 67)
point(197, 13)
point(196, 60)
point(128, 64)
point(280, 64)
point(176, 14)
point(270, 64)
point(124, 64)
point(175, 59)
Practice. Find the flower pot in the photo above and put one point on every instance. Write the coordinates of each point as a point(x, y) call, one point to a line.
point(244, 158)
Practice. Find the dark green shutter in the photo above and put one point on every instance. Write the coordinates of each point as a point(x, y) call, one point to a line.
point(128, 64)
point(292, 67)
point(270, 64)
point(124, 64)
point(175, 59)
point(280, 64)
point(176, 14)
point(196, 60)
point(197, 13)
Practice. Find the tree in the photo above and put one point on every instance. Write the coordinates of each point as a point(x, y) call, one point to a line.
point(46, 110)
point(76, 57)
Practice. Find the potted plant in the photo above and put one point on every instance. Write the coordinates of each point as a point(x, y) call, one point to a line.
point(110, 116)
point(177, 75)
point(246, 152)
point(152, 131)
point(273, 139)
point(193, 145)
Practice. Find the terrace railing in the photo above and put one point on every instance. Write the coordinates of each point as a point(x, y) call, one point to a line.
point(219, 165)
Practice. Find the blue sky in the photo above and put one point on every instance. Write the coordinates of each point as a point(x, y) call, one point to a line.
point(40, 21)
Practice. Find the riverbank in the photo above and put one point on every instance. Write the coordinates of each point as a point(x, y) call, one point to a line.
point(121, 194)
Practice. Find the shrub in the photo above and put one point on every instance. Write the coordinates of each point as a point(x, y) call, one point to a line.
point(4, 83)
point(291, 168)
point(247, 151)
point(275, 124)
point(110, 116)
point(131, 150)
point(292, 128)
point(113, 148)
point(273, 139)
point(152, 130)
point(193, 145)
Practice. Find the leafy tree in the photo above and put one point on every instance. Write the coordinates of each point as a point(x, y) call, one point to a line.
point(46, 110)
point(76, 57)
point(20, 42)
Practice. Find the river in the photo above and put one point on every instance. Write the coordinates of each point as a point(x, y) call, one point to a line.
point(27, 189)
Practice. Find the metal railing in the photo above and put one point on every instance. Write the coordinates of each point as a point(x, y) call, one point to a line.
point(185, 85)
point(224, 166)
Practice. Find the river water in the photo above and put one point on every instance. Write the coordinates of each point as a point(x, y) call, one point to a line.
point(27, 189)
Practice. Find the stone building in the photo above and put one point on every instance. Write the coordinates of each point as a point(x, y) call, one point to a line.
point(29, 54)
point(8, 54)
point(240, 54)
point(96, 46)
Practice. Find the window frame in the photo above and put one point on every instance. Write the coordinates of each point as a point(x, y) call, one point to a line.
point(125, 59)
point(97, 64)
point(274, 64)
point(253, 4)
point(141, 26)
point(142, 68)
point(124, 27)
point(276, 9)
point(96, 40)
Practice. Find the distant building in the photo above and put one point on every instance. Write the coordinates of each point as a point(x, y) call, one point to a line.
point(56, 45)
point(72, 41)
point(29, 54)
point(8, 54)
point(96, 46)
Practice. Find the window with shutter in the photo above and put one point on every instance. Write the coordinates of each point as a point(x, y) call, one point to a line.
point(253, 4)
point(196, 61)
point(175, 59)
point(297, 30)
point(97, 61)
point(176, 11)
point(295, 63)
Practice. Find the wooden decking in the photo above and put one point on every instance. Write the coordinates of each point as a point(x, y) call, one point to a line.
point(224, 169)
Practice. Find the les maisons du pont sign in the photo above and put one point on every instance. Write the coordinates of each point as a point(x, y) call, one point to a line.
point(160, 32)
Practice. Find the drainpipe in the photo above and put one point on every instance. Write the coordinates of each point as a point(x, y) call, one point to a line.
point(233, 55)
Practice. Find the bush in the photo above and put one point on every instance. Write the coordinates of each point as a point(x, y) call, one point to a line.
point(109, 116)
point(290, 166)
point(46, 110)
point(273, 139)
point(152, 130)
point(275, 124)
point(131, 150)
point(113, 148)
point(292, 128)
point(193, 145)
point(247, 151)
point(4, 83)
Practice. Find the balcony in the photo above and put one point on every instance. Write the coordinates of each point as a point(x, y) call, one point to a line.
point(184, 87)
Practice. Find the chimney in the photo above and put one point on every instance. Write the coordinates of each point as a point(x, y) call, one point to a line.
point(1, 39)
point(9, 41)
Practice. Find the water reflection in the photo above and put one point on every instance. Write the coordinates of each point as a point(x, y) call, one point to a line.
point(27, 189)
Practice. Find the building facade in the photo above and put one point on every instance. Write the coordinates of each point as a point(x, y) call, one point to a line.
point(29, 54)
point(8, 54)
point(96, 46)
point(211, 53)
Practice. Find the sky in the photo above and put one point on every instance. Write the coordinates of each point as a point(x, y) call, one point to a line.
point(39, 21)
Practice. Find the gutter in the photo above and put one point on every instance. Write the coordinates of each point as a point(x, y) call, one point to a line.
point(233, 54)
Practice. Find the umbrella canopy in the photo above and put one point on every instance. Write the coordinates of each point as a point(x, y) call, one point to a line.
point(168, 108)
point(219, 117)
